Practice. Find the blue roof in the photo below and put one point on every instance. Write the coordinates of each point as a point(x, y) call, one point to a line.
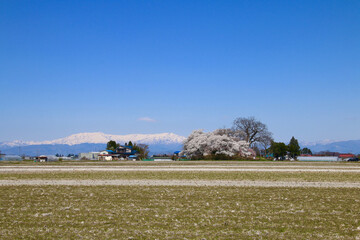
point(110, 151)
point(177, 152)
point(126, 146)
point(134, 156)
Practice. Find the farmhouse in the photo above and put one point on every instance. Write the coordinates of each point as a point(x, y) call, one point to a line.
point(121, 153)
point(106, 155)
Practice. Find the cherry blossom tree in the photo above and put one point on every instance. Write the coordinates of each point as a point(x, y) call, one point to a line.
point(219, 142)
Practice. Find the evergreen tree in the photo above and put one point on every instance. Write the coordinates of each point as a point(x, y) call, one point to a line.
point(294, 148)
point(112, 145)
point(279, 149)
point(306, 151)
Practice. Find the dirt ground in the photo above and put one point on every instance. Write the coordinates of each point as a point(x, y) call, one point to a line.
point(220, 168)
point(149, 182)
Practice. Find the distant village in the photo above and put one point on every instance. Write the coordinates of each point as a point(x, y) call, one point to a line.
point(114, 152)
point(247, 139)
point(127, 153)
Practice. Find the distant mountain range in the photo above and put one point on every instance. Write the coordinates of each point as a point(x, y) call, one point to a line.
point(158, 143)
point(351, 146)
point(88, 142)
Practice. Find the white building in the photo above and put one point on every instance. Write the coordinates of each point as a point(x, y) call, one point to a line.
point(318, 159)
point(89, 155)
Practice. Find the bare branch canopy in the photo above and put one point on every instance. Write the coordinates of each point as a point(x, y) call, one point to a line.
point(251, 130)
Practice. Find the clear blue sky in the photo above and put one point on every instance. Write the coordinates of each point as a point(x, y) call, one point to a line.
point(84, 66)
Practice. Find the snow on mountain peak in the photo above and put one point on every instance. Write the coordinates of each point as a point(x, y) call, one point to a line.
point(320, 142)
point(99, 137)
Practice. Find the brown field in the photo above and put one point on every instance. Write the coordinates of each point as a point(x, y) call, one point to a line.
point(182, 212)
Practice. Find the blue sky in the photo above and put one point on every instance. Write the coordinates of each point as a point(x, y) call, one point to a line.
point(124, 67)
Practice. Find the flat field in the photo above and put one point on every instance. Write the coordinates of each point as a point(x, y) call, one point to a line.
point(202, 200)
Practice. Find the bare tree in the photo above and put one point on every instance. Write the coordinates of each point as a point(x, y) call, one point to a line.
point(265, 142)
point(250, 130)
point(224, 132)
point(230, 132)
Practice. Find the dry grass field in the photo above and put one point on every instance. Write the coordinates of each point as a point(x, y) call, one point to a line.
point(174, 163)
point(193, 175)
point(182, 212)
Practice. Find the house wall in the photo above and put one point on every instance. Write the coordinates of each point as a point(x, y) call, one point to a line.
point(318, 159)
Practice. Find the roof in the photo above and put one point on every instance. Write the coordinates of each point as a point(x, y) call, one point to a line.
point(122, 146)
point(346, 155)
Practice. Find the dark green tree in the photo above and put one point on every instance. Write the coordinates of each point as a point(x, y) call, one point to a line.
point(294, 148)
point(112, 145)
point(279, 149)
point(306, 151)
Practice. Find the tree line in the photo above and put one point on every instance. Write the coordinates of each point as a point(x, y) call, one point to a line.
point(245, 134)
point(280, 150)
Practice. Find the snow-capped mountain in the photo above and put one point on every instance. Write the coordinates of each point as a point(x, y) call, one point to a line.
point(321, 142)
point(86, 142)
point(350, 146)
point(99, 137)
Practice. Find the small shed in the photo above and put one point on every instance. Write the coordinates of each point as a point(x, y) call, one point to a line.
point(42, 158)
